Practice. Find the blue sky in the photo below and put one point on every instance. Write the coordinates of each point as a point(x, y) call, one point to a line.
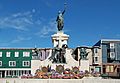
point(26, 23)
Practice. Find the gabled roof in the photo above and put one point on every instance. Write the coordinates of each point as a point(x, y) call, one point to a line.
point(106, 40)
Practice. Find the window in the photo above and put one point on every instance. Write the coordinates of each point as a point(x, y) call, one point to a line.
point(118, 70)
point(96, 59)
point(96, 50)
point(0, 54)
point(12, 63)
point(112, 55)
point(0, 63)
point(26, 63)
point(16, 54)
point(97, 69)
point(26, 54)
point(110, 68)
point(111, 45)
point(7, 54)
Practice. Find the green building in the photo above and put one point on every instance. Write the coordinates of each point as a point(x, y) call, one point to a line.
point(15, 62)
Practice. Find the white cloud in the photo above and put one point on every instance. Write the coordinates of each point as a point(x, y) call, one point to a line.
point(24, 20)
point(20, 39)
point(17, 40)
point(47, 29)
point(19, 21)
point(22, 14)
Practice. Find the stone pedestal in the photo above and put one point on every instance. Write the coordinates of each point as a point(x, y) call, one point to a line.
point(84, 65)
point(70, 62)
point(59, 39)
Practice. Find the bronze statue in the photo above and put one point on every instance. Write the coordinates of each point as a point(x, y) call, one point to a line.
point(83, 53)
point(58, 54)
point(60, 19)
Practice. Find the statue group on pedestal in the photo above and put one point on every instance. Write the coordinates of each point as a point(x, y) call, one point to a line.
point(58, 54)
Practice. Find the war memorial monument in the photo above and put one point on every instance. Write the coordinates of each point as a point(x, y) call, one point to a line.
point(60, 55)
point(62, 64)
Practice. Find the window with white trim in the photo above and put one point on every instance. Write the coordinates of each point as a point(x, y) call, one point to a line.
point(12, 63)
point(0, 63)
point(26, 63)
point(7, 54)
point(112, 45)
point(16, 54)
point(112, 55)
point(26, 54)
point(0, 54)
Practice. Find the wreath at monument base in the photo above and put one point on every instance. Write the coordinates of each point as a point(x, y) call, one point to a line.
point(60, 68)
point(44, 69)
point(75, 69)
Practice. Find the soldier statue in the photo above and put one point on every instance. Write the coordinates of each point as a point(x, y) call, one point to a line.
point(83, 53)
point(58, 54)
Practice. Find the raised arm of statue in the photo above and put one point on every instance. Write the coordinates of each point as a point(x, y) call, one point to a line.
point(65, 5)
point(63, 12)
